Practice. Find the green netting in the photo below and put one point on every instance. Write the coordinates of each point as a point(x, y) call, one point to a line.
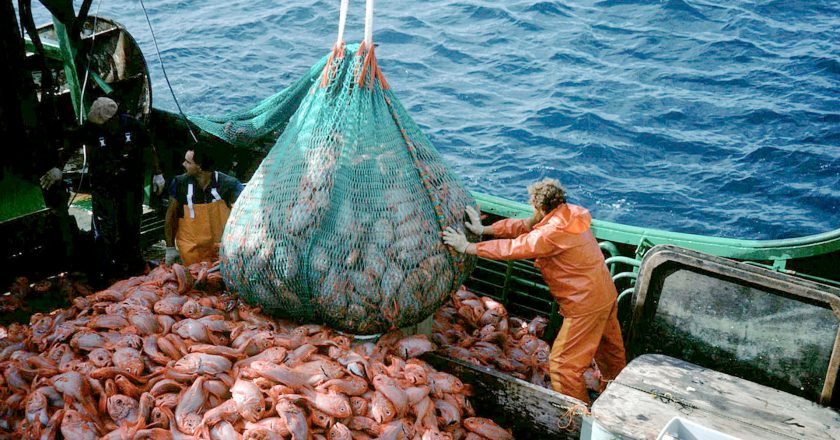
point(341, 222)
point(264, 122)
point(18, 197)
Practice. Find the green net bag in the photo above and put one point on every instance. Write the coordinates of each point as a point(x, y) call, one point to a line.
point(341, 223)
point(260, 125)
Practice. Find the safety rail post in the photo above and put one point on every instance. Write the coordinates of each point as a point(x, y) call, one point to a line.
point(554, 321)
point(613, 261)
point(622, 275)
point(506, 284)
point(624, 293)
point(643, 246)
point(611, 249)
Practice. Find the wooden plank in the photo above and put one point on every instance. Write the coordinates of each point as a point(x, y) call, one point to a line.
point(531, 411)
point(654, 388)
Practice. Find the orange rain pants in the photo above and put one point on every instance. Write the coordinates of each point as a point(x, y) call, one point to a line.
point(573, 267)
point(198, 236)
point(581, 338)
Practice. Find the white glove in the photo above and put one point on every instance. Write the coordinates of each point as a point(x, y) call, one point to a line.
point(50, 178)
point(474, 223)
point(172, 254)
point(456, 239)
point(158, 182)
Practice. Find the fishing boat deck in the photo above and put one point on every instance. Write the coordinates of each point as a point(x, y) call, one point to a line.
point(653, 389)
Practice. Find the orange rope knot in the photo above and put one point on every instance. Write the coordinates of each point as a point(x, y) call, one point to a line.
point(567, 420)
point(330, 70)
point(370, 65)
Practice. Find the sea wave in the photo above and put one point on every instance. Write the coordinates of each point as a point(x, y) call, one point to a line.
point(686, 115)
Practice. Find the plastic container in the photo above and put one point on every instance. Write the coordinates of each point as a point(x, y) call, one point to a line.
point(683, 429)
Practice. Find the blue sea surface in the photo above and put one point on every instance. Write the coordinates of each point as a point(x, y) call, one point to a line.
point(716, 118)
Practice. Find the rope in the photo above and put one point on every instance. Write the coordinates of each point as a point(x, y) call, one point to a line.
point(567, 420)
point(369, 24)
point(165, 76)
point(342, 18)
point(369, 64)
point(337, 53)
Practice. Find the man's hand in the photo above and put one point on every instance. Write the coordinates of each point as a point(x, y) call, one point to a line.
point(456, 239)
point(172, 254)
point(158, 182)
point(474, 223)
point(50, 178)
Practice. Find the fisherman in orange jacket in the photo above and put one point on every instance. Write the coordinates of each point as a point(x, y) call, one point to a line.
point(557, 236)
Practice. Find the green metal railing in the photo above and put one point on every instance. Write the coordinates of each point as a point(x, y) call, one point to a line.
point(756, 250)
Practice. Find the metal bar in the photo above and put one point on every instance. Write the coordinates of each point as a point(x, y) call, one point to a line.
point(68, 55)
point(831, 374)
point(624, 293)
point(491, 270)
point(101, 82)
point(631, 275)
point(506, 288)
point(479, 280)
point(623, 260)
point(484, 261)
point(529, 283)
point(51, 50)
point(795, 273)
point(554, 320)
point(522, 265)
point(609, 247)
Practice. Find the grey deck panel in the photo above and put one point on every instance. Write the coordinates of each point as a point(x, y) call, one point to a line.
point(655, 388)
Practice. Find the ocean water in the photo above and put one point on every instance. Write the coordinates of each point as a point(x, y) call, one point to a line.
point(716, 118)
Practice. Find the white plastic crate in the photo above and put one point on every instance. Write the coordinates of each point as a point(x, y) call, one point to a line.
point(683, 429)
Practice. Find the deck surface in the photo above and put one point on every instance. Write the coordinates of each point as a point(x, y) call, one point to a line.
point(655, 388)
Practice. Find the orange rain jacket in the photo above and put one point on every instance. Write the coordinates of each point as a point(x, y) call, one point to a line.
point(565, 251)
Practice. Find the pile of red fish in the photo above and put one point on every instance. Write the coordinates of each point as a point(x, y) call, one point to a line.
point(65, 286)
point(478, 330)
point(171, 355)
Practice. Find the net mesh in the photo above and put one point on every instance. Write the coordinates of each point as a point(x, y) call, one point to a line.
point(258, 127)
point(341, 222)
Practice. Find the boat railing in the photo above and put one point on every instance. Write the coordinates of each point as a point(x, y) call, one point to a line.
point(771, 254)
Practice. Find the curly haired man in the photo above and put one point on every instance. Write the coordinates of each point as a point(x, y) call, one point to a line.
point(558, 238)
